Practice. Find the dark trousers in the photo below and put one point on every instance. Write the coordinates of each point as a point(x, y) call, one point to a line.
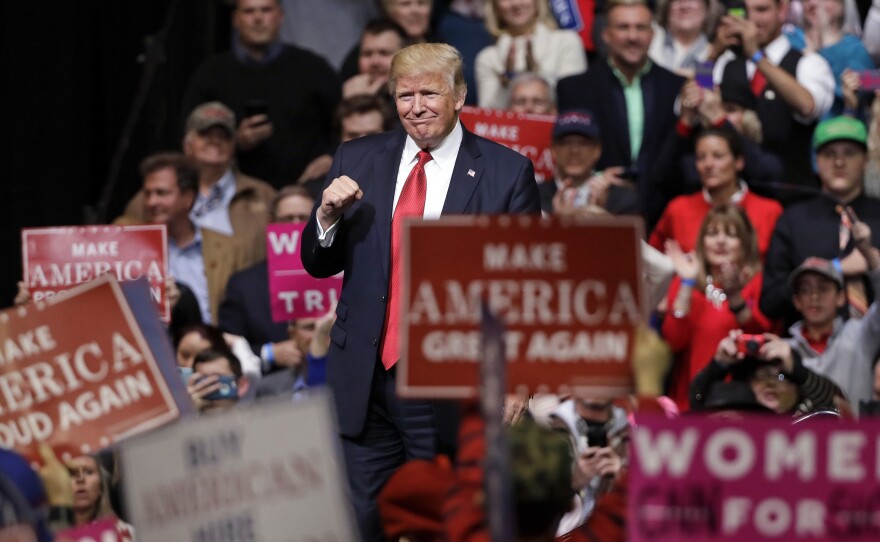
point(395, 431)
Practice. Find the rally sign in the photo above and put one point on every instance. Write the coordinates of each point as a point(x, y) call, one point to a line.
point(568, 292)
point(294, 293)
point(700, 479)
point(77, 372)
point(263, 472)
point(529, 135)
point(56, 259)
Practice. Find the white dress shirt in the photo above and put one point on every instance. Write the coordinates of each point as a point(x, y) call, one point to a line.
point(438, 173)
point(813, 73)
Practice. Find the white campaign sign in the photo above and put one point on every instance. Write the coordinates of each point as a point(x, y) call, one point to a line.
point(267, 472)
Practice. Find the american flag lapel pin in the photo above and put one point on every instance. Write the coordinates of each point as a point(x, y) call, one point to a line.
point(471, 173)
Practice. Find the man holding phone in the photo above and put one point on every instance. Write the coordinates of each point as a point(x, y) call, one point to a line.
point(793, 89)
point(217, 382)
point(284, 95)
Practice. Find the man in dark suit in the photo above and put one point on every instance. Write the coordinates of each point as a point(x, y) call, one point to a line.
point(246, 308)
point(434, 167)
point(634, 102)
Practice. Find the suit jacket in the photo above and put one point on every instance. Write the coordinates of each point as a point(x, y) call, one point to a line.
point(503, 181)
point(248, 213)
point(599, 91)
point(246, 309)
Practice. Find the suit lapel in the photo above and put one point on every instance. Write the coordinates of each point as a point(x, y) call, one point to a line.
point(465, 175)
point(385, 166)
point(648, 99)
point(615, 97)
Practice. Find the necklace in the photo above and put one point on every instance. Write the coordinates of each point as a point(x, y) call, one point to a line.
point(715, 295)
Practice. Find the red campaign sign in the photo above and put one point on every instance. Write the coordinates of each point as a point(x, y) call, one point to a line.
point(77, 372)
point(704, 479)
point(56, 259)
point(568, 292)
point(529, 135)
point(293, 293)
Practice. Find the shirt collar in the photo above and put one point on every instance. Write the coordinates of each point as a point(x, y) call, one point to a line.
point(226, 183)
point(622, 78)
point(443, 155)
point(777, 49)
point(272, 53)
point(737, 196)
point(196, 241)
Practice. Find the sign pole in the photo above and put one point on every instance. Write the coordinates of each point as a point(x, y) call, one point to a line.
point(493, 378)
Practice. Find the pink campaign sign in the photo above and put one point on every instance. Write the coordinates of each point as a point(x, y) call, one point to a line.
point(292, 291)
point(762, 478)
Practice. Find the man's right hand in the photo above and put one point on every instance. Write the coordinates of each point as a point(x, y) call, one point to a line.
point(337, 198)
point(252, 131)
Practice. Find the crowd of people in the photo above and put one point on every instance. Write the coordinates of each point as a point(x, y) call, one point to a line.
point(746, 135)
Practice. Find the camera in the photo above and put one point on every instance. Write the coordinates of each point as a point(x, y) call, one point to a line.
point(592, 434)
point(749, 344)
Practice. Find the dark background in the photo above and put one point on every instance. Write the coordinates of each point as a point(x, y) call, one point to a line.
point(72, 71)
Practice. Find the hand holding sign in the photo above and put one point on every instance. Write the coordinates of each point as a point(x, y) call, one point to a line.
point(55, 477)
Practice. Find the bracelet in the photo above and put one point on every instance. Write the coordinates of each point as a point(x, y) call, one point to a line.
point(690, 283)
point(836, 263)
point(268, 357)
point(756, 58)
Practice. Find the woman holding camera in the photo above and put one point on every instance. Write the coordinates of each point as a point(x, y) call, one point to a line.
point(716, 291)
point(773, 371)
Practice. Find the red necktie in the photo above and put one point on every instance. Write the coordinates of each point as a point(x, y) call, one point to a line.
point(410, 203)
point(759, 82)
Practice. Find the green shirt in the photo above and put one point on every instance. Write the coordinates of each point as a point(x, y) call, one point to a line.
point(635, 107)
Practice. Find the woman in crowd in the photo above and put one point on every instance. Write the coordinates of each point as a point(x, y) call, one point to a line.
point(773, 371)
point(716, 291)
point(825, 33)
point(733, 106)
point(200, 337)
point(527, 41)
point(91, 495)
point(719, 161)
point(680, 41)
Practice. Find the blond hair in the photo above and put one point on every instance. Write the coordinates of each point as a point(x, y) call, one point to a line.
point(496, 26)
point(429, 58)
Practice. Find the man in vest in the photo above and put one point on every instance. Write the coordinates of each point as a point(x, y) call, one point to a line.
point(793, 88)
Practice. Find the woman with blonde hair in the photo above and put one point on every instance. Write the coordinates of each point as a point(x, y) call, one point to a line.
point(716, 291)
point(91, 495)
point(527, 41)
